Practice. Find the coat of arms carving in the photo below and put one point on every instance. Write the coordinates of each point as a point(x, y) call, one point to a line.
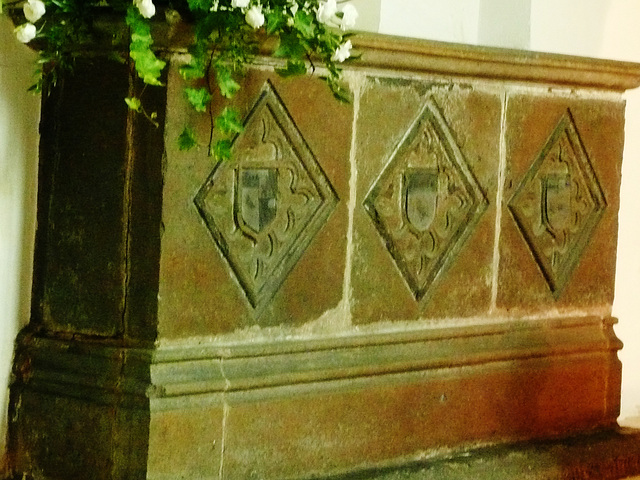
point(426, 201)
point(558, 204)
point(264, 206)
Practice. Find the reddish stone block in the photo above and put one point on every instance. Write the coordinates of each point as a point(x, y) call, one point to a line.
point(185, 442)
point(573, 224)
point(200, 293)
point(408, 264)
point(278, 433)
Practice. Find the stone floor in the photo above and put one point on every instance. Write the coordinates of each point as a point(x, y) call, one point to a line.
point(601, 456)
point(613, 455)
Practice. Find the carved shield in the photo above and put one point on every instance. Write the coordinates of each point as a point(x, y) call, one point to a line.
point(256, 198)
point(420, 197)
point(556, 202)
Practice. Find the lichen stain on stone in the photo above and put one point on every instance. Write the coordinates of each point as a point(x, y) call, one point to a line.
point(331, 322)
point(420, 87)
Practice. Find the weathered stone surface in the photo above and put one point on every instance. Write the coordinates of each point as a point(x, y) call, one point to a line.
point(368, 421)
point(444, 60)
point(457, 243)
point(81, 248)
point(585, 248)
point(99, 198)
point(423, 270)
point(56, 436)
point(286, 407)
point(267, 203)
point(198, 283)
point(603, 456)
point(185, 441)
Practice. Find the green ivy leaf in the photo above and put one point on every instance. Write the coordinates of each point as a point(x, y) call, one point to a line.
point(227, 85)
point(331, 40)
point(206, 25)
point(221, 150)
point(228, 122)
point(294, 68)
point(341, 94)
point(191, 72)
point(147, 65)
point(134, 104)
point(140, 41)
point(136, 22)
point(339, 91)
point(275, 21)
point(187, 139)
point(303, 22)
point(199, 5)
point(197, 66)
point(290, 47)
point(199, 98)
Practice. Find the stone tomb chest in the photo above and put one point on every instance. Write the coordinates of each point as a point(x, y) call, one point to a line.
point(426, 269)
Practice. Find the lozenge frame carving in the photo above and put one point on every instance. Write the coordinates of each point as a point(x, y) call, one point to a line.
point(264, 206)
point(426, 202)
point(558, 204)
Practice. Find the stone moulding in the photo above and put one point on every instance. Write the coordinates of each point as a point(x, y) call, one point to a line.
point(402, 54)
point(58, 366)
point(155, 353)
point(428, 57)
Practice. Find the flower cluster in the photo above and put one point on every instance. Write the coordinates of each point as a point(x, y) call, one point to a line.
point(225, 39)
point(33, 10)
point(327, 12)
point(146, 7)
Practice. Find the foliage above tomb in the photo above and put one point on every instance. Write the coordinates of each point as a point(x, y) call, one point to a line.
point(225, 37)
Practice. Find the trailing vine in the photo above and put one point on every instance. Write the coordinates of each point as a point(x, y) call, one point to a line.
point(226, 38)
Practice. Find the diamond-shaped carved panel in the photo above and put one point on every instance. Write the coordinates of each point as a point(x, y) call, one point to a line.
point(426, 201)
point(264, 206)
point(558, 204)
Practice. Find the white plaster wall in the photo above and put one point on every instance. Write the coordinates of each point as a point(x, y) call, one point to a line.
point(368, 15)
point(504, 24)
point(19, 113)
point(444, 20)
point(575, 27)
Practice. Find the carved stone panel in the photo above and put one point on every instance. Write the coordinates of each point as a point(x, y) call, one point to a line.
point(426, 201)
point(558, 204)
point(264, 206)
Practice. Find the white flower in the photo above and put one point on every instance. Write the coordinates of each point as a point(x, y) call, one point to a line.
point(146, 7)
point(34, 10)
point(26, 32)
point(255, 17)
point(240, 3)
point(349, 16)
point(326, 11)
point(342, 52)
